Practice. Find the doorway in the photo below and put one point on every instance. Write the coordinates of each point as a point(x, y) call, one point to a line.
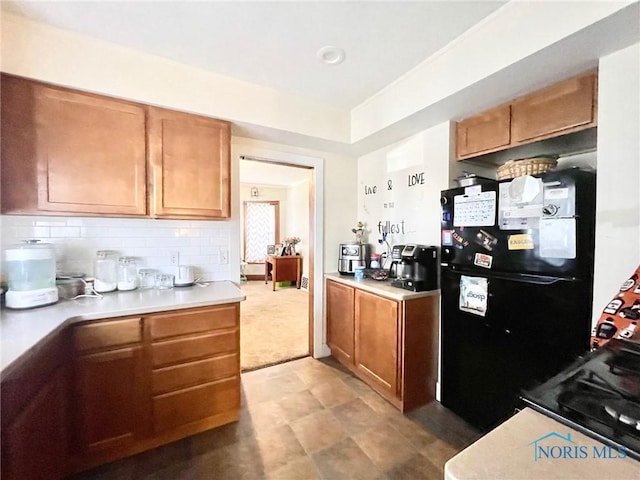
point(276, 205)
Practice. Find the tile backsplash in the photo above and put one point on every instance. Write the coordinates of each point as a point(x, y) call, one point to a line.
point(200, 243)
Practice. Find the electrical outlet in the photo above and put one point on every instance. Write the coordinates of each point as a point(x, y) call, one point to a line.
point(174, 258)
point(224, 256)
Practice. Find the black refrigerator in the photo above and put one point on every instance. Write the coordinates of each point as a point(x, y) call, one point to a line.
point(516, 285)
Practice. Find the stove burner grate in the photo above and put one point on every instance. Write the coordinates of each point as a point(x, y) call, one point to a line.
point(626, 361)
point(594, 398)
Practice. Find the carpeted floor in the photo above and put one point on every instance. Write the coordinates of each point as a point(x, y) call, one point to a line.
point(274, 326)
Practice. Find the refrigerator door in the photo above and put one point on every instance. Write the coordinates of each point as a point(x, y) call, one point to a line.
point(558, 243)
point(532, 327)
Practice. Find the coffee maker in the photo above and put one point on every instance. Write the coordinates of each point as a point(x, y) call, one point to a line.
point(396, 269)
point(417, 269)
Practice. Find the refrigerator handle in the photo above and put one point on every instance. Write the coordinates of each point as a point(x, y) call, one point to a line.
point(513, 277)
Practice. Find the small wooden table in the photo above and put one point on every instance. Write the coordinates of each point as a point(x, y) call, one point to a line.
point(286, 268)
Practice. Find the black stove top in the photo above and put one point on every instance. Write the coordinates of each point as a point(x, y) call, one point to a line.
point(598, 395)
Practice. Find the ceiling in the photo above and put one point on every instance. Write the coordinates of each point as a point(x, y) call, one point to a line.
point(274, 44)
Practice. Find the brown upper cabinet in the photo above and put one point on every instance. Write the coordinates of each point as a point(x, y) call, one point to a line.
point(487, 131)
point(562, 108)
point(66, 152)
point(190, 169)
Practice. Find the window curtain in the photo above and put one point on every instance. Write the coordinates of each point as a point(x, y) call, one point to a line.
point(260, 226)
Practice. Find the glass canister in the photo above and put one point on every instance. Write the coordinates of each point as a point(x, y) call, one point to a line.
point(163, 281)
point(375, 260)
point(105, 271)
point(146, 278)
point(127, 273)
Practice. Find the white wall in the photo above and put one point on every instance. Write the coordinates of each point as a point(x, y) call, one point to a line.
point(199, 242)
point(618, 182)
point(298, 220)
point(401, 184)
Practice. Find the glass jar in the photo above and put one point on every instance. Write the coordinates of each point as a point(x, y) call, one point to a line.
point(105, 271)
point(163, 281)
point(127, 273)
point(375, 260)
point(146, 278)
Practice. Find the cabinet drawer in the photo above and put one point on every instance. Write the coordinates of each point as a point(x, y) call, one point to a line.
point(193, 321)
point(195, 403)
point(185, 349)
point(194, 373)
point(107, 334)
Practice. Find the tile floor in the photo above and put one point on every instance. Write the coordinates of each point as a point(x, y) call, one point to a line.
point(308, 419)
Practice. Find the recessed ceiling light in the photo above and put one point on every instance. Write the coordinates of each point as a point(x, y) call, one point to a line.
point(331, 55)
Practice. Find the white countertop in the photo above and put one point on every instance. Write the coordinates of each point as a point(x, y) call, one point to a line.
point(507, 452)
point(22, 331)
point(378, 287)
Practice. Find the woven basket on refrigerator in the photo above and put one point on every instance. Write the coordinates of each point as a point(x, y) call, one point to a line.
point(526, 166)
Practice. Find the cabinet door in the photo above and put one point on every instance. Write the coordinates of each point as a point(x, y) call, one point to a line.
point(564, 107)
point(483, 133)
point(340, 321)
point(377, 336)
point(72, 152)
point(34, 445)
point(109, 388)
point(190, 165)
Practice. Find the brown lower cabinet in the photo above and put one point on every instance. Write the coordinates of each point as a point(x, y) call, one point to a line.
point(394, 343)
point(104, 390)
point(34, 414)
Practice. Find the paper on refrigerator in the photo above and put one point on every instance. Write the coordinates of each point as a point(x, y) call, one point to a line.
point(558, 238)
point(521, 202)
point(476, 210)
point(474, 293)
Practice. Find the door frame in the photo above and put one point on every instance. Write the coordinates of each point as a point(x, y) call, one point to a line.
point(317, 342)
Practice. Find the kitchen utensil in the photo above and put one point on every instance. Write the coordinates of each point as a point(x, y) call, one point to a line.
point(396, 257)
point(469, 179)
point(375, 260)
point(184, 275)
point(351, 256)
point(146, 278)
point(31, 269)
point(127, 273)
point(163, 281)
point(70, 285)
point(105, 271)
